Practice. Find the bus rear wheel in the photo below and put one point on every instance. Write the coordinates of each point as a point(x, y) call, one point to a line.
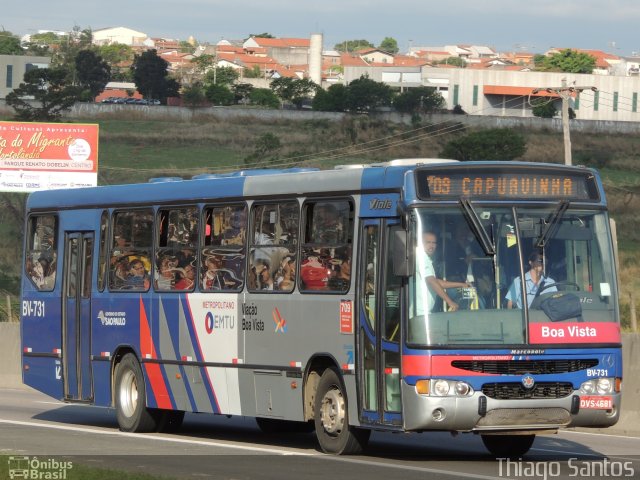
point(333, 431)
point(131, 411)
point(508, 446)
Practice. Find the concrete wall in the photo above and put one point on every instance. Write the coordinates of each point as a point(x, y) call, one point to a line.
point(97, 111)
point(629, 424)
point(10, 358)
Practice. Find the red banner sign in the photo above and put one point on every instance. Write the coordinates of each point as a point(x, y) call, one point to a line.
point(44, 156)
point(575, 332)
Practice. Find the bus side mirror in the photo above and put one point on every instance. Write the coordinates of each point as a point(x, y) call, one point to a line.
point(402, 253)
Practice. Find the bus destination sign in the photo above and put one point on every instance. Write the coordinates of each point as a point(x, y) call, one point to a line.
point(499, 184)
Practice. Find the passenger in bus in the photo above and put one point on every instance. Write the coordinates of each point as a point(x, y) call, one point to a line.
point(119, 273)
point(535, 281)
point(138, 277)
point(263, 274)
point(166, 274)
point(234, 232)
point(187, 279)
point(121, 245)
point(426, 273)
point(315, 274)
point(49, 272)
point(216, 277)
point(327, 227)
point(285, 277)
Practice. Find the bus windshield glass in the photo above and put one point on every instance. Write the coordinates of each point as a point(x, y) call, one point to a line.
point(468, 286)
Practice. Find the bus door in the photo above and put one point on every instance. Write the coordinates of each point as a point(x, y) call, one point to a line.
point(76, 316)
point(379, 335)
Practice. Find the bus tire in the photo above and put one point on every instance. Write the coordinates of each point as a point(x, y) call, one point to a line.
point(331, 418)
point(131, 411)
point(508, 446)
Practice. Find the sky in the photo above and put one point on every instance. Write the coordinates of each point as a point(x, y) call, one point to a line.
point(506, 25)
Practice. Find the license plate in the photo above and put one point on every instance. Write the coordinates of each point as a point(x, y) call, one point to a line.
point(596, 402)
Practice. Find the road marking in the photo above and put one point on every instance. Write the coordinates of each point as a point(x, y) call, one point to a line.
point(242, 447)
point(152, 437)
point(600, 434)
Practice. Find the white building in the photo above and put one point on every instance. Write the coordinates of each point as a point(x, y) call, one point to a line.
point(126, 36)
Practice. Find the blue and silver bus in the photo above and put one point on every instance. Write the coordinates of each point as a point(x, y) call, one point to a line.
point(407, 296)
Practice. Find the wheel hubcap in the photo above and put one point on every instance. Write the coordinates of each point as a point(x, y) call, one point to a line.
point(128, 394)
point(333, 412)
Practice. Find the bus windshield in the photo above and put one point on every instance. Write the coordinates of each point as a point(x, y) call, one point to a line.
point(468, 286)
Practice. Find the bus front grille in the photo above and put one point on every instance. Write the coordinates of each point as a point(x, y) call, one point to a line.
point(516, 391)
point(520, 367)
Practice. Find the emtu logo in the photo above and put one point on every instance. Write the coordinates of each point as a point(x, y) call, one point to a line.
point(281, 323)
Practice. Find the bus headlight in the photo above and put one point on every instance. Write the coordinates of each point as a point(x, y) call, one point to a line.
point(600, 386)
point(450, 388)
point(441, 388)
point(604, 386)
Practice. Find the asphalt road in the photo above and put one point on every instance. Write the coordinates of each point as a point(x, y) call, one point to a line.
point(218, 447)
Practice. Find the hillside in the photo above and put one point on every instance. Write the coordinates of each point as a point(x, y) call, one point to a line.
point(137, 149)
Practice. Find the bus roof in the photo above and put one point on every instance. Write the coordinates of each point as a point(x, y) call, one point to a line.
point(387, 176)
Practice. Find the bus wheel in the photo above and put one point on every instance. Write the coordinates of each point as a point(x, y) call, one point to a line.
point(132, 414)
point(334, 433)
point(508, 446)
point(275, 425)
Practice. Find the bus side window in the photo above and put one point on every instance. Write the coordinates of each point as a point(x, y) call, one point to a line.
point(223, 256)
point(41, 260)
point(175, 264)
point(327, 247)
point(102, 258)
point(274, 243)
point(130, 261)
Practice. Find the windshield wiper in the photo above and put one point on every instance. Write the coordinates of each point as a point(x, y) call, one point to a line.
point(478, 229)
point(551, 223)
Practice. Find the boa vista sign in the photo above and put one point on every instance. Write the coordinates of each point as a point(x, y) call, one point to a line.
point(46, 156)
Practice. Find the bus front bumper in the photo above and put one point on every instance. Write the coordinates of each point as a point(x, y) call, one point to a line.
point(479, 413)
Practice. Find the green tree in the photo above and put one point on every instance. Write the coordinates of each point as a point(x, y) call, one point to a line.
point(221, 76)
point(151, 76)
point(543, 108)
point(49, 88)
point(253, 72)
point(261, 35)
point(204, 62)
point(334, 99)
point(242, 92)
point(193, 95)
point(219, 94)
point(352, 45)
point(264, 97)
point(68, 49)
point(492, 144)
point(117, 55)
point(10, 44)
point(389, 45)
point(366, 95)
point(570, 61)
point(455, 61)
point(293, 90)
point(92, 74)
point(419, 100)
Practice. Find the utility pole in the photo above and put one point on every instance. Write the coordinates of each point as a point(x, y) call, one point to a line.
point(565, 92)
